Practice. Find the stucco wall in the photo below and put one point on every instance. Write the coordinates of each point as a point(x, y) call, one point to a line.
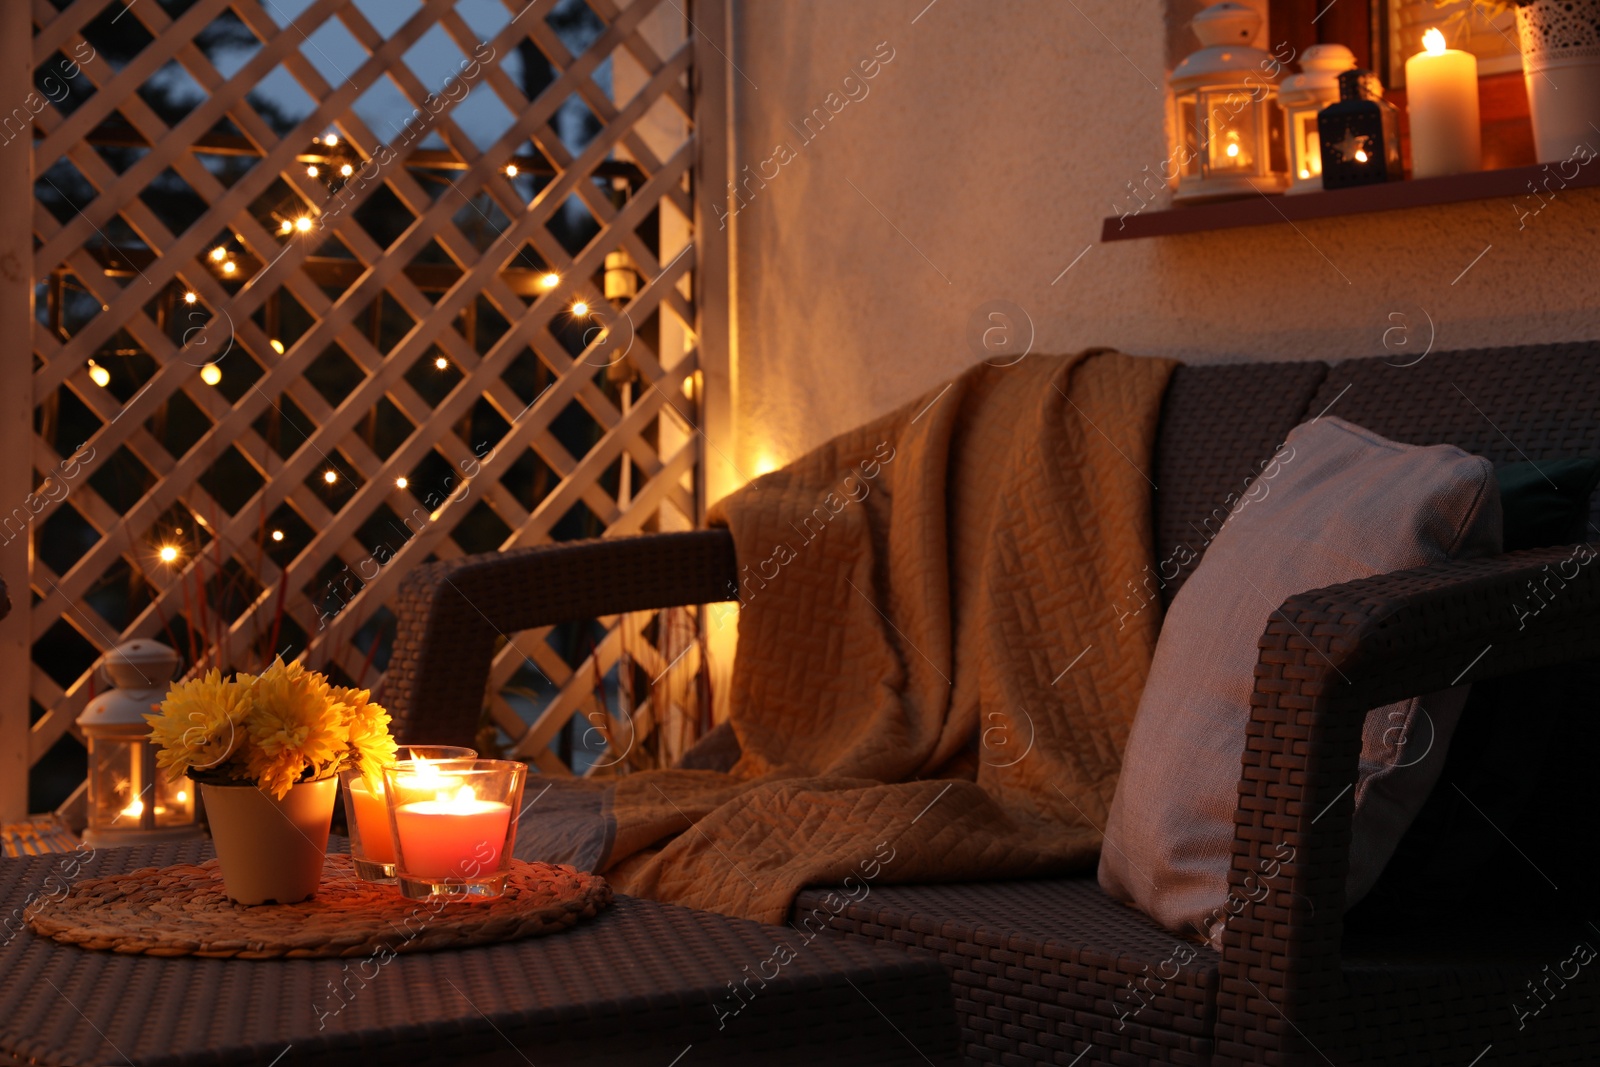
point(977, 164)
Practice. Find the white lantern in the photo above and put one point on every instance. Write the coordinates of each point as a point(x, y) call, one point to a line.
point(1302, 96)
point(1226, 113)
point(129, 802)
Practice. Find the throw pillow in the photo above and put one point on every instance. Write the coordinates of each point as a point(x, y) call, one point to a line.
point(1346, 504)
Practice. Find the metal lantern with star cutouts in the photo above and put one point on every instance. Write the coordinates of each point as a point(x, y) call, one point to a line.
point(1360, 134)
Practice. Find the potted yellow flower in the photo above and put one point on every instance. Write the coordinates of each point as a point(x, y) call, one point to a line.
point(266, 750)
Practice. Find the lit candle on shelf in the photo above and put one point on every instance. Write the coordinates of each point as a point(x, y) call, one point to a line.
point(1442, 100)
point(455, 835)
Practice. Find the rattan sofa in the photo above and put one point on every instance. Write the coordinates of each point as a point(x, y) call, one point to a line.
point(1052, 971)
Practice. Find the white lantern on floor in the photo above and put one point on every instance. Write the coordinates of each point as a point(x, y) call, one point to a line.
point(1302, 96)
point(1226, 114)
point(129, 803)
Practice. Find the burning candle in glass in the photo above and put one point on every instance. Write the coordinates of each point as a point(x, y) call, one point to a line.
point(454, 827)
point(367, 815)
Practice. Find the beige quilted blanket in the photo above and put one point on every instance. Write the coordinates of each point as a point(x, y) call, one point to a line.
point(932, 683)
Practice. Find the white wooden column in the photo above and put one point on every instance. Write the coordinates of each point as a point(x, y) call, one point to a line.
point(714, 236)
point(16, 401)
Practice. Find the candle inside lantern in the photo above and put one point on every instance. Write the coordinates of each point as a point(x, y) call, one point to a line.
point(1442, 100)
point(455, 835)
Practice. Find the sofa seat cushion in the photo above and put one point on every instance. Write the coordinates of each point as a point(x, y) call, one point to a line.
point(1044, 968)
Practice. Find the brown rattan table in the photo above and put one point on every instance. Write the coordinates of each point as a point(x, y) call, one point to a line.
point(644, 983)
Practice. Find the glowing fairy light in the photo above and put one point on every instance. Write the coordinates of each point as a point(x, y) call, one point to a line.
point(330, 477)
point(211, 374)
point(99, 375)
point(168, 554)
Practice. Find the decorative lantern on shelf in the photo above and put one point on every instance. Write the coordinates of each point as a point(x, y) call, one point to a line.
point(1303, 95)
point(128, 801)
point(1226, 113)
point(1360, 134)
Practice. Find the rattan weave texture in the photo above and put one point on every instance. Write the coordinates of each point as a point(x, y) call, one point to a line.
point(450, 613)
point(183, 910)
point(1050, 971)
point(638, 985)
point(1220, 423)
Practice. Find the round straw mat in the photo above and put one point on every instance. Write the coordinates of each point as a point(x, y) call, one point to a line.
point(182, 911)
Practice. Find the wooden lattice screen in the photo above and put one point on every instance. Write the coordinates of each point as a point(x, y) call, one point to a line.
point(281, 358)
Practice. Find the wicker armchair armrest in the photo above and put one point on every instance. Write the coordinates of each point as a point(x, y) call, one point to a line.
point(1328, 656)
point(451, 611)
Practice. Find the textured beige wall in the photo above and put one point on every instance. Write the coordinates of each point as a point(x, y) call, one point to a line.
point(994, 142)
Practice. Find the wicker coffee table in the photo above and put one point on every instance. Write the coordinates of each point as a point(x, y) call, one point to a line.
point(644, 983)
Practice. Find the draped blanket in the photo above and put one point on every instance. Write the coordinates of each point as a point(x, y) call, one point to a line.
point(933, 681)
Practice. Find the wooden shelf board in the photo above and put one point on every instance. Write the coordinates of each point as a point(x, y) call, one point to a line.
point(1392, 196)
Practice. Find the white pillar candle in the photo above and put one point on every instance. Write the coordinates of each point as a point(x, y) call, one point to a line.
point(1442, 100)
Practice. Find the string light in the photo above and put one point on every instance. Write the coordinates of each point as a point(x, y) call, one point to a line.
point(218, 254)
point(277, 535)
point(189, 297)
point(211, 374)
point(229, 267)
point(401, 482)
point(441, 363)
point(332, 140)
point(277, 345)
point(550, 280)
point(330, 477)
point(346, 170)
point(511, 170)
point(99, 375)
point(580, 309)
point(311, 171)
point(286, 226)
point(303, 223)
point(168, 554)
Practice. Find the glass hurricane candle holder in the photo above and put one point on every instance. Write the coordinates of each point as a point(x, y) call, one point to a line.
point(371, 840)
point(454, 825)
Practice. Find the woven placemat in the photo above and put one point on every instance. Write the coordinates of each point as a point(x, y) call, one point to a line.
point(182, 911)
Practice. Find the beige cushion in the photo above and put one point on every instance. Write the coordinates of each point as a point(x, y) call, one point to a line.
point(1340, 503)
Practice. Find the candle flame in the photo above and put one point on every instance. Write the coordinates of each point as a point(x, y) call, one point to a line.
point(1433, 41)
point(1361, 155)
point(134, 810)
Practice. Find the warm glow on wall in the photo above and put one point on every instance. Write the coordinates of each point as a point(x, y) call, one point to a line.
point(766, 463)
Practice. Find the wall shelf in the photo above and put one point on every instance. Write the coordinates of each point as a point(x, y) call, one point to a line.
point(1392, 196)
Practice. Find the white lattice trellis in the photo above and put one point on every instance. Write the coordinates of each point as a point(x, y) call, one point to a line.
point(381, 308)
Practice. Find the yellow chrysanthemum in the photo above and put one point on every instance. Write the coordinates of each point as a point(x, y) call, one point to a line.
point(371, 746)
point(296, 731)
point(199, 724)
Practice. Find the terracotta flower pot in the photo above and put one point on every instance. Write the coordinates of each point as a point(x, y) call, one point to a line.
point(270, 850)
